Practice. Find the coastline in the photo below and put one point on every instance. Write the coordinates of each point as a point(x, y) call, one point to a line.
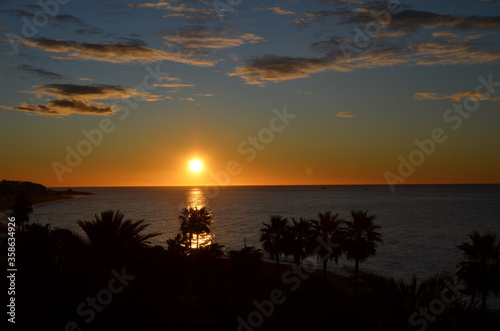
point(60, 198)
point(40, 199)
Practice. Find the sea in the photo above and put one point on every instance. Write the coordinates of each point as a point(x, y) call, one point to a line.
point(421, 225)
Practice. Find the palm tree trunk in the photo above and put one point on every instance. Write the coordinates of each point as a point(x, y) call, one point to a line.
point(324, 277)
point(484, 301)
point(277, 268)
point(356, 268)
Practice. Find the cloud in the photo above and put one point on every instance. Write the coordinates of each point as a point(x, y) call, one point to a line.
point(85, 79)
point(404, 23)
point(457, 36)
point(420, 19)
point(68, 19)
point(446, 34)
point(109, 52)
point(263, 69)
point(187, 99)
point(428, 19)
point(174, 85)
point(62, 21)
point(170, 79)
point(395, 34)
point(301, 22)
point(79, 99)
point(271, 68)
point(449, 53)
point(280, 11)
point(86, 92)
point(182, 8)
point(345, 114)
point(320, 14)
point(39, 72)
point(2, 76)
point(386, 48)
point(65, 107)
point(181, 11)
point(205, 94)
point(201, 41)
point(90, 31)
point(472, 95)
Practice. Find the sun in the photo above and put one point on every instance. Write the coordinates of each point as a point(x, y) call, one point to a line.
point(196, 165)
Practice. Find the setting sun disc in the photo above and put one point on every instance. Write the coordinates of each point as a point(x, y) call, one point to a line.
point(196, 165)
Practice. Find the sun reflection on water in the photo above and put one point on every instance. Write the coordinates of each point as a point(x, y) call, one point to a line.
point(196, 199)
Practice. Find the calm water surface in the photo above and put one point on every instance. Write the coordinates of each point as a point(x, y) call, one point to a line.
point(420, 224)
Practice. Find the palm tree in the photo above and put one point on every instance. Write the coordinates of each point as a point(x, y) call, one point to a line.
point(272, 237)
point(480, 272)
point(244, 267)
point(110, 233)
point(197, 222)
point(299, 240)
point(361, 238)
point(396, 303)
point(179, 245)
point(22, 207)
point(212, 249)
point(249, 254)
point(329, 229)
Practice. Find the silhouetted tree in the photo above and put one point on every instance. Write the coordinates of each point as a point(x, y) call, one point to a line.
point(195, 222)
point(248, 254)
point(272, 237)
point(110, 233)
point(299, 240)
point(480, 271)
point(22, 207)
point(212, 249)
point(402, 305)
point(361, 238)
point(179, 245)
point(329, 229)
point(244, 267)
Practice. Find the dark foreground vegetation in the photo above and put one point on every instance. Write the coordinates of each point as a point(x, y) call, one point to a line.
point(113, 279)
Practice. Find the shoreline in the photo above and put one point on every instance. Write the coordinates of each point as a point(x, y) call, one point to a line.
point(40, 199)
point(61, 198)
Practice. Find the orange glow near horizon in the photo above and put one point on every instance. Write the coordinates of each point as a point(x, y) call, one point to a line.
point(226, 168)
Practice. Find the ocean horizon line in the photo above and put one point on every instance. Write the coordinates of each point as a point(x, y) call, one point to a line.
point(274, 185)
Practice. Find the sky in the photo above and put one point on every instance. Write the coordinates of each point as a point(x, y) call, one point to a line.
point(289, 92)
